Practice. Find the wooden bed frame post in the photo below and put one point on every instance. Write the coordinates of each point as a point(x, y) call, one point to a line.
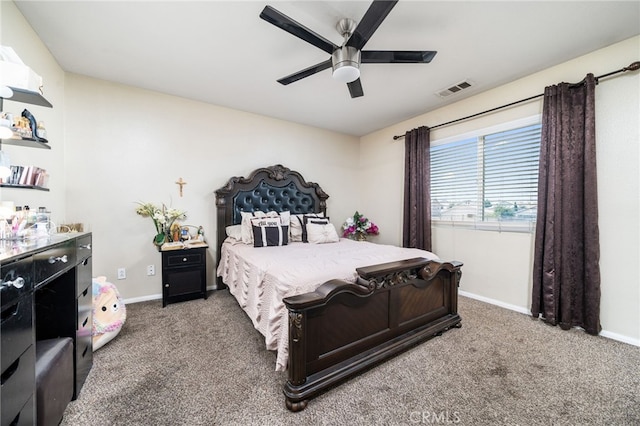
point(297, 355)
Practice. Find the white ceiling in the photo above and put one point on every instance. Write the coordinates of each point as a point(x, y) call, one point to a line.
point(222, 53)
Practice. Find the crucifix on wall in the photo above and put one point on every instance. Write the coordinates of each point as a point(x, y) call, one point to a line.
point(181, 183)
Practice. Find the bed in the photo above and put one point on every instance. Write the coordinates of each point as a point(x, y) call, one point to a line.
point(331, 310)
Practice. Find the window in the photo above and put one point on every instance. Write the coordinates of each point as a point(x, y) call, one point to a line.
point(489, 180)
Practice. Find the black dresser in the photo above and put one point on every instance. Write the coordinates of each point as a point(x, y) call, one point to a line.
point(45, 293)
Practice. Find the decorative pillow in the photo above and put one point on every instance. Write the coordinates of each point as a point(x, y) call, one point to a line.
point(247, 232)
point(296, 225)
point(269, 232)
point(311, 219)
point(285, 216)
point(234, 232)
point(321, 233)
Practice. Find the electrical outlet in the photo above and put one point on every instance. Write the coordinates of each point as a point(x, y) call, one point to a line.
point(151, 270)
point(122, 273)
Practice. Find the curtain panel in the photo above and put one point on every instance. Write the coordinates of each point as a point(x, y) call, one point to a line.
point(566, 272)
point(416, 229)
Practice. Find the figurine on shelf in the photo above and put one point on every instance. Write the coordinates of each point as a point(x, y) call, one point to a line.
point(33, 126)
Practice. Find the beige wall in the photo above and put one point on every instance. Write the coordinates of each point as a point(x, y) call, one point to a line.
point(125, 145)
point(114, 145)
point(498, 265)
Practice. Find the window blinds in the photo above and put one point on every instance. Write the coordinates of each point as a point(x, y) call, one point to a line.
point(488, 178)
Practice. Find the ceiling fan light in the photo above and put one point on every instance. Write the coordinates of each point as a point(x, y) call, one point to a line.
point(346, 64)
point(346, 73)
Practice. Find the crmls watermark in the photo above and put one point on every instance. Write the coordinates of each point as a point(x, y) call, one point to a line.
point(435, 417)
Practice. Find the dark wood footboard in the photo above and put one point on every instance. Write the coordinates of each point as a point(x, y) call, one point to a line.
point(343, 328)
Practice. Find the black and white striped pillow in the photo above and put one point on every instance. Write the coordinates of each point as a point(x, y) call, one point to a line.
point(268, 232)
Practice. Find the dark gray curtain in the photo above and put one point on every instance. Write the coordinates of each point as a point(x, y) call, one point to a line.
point(566, 272)
point(416, 229)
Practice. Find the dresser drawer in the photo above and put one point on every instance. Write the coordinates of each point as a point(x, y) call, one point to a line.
point(83, 247)
point(18, 383)
point(84, 276)
point(84, 359)
point(53, 261)
point(16, 280)
point(26, 416)
point(85, 308)
point(17, 329)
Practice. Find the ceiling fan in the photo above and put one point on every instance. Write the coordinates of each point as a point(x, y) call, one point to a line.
point(345, 60)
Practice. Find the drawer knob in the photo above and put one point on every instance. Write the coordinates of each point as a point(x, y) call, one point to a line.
point(184, 259)
point(85, 246)
point(166, 285)
point(62, 259)
point(17, 283)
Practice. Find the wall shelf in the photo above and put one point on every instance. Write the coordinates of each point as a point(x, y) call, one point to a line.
point(28, 97)
point(9, 185)
point(31, 143)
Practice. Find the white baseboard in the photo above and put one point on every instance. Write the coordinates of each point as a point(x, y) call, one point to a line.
point(620, 338)
point(520, 309)
point(151, 297)
point(142, 299)
point(495, 302)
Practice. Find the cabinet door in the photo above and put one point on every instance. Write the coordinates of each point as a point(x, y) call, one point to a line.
point(181, 282)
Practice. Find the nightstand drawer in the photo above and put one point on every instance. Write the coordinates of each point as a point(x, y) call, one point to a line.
point(183, 259)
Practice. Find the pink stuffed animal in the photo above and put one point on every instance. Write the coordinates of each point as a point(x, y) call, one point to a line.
point(109, 312)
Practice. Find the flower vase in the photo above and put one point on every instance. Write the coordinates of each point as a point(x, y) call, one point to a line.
point(159, 240)
point(360, 236)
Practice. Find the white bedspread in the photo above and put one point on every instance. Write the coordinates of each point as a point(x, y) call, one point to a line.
point(259, 278)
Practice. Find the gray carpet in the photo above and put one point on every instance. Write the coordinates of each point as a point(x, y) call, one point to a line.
point(202, 363)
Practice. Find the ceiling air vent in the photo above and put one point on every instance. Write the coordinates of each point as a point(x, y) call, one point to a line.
point(443, 93)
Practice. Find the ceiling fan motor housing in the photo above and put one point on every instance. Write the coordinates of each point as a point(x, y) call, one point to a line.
point(346, 64)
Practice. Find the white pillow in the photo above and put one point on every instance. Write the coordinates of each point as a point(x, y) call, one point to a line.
point(234, 232)
point(284, 217)
point(247, 230)
point(295, 228)
point(321, 233)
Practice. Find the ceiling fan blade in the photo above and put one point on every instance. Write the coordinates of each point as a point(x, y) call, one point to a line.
point(282, 21)
point(355, 89)
point(305, 72)
point(397, 56)
point(370, 22)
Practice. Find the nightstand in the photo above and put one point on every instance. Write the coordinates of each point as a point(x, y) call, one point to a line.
point(184, 275)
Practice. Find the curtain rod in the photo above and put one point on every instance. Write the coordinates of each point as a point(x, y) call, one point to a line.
point(632, 67)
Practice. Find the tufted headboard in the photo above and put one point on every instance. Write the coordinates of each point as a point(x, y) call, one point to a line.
point(274, 188)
